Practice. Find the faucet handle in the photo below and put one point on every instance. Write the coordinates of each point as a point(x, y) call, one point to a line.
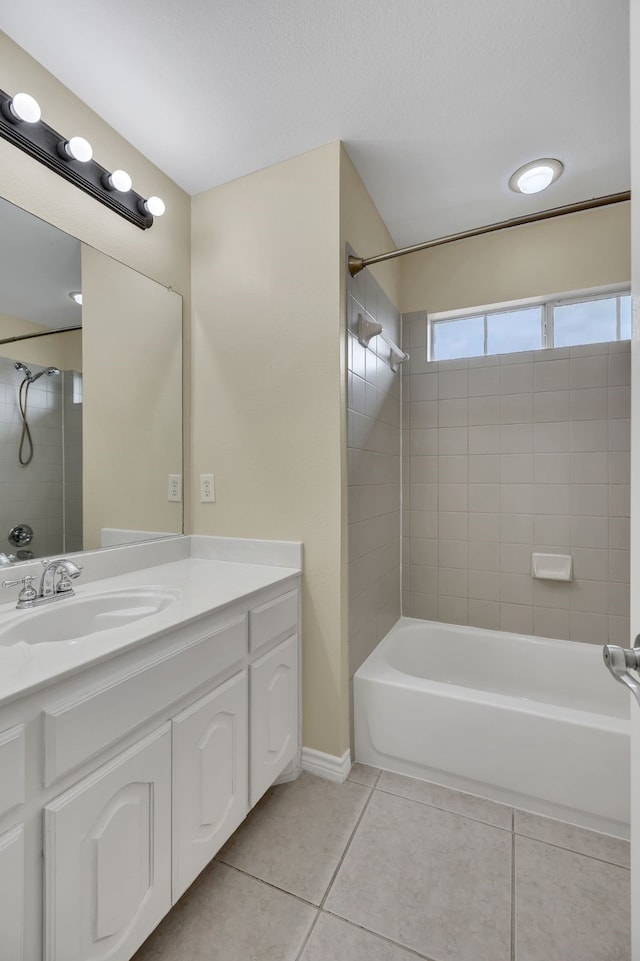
point(28, 592)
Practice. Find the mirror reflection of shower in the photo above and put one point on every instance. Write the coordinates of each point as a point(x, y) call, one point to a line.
point(25, 449)
point(40, 451)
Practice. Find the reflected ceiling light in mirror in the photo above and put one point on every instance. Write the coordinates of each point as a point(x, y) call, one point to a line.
point(118, 180)
point(76, 295)
point(24, 107)
point(22, 126)
point(154, 206)
point(535, 176)
point(76, 149)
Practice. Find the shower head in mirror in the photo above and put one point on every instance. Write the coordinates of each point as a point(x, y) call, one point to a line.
point(23, 367)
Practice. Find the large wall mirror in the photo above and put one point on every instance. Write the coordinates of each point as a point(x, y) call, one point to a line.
point(90, 395)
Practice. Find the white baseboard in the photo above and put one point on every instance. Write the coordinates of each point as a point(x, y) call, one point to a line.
point(328, 766)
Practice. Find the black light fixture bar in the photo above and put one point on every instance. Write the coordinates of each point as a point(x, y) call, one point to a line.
point(42, 142)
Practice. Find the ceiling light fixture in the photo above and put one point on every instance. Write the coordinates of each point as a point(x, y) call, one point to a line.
point(23, 107)
point(535, 176)
point(72, 159)
point(118, 180)
point(76, 296)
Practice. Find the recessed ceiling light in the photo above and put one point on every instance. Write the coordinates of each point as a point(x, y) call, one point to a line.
point(535, 176)
point(76, 295)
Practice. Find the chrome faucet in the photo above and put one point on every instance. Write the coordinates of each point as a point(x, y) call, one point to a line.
point(49, 587)
point(55, 583)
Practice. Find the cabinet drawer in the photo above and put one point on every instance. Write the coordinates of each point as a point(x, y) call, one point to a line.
point(273, 621)
point(78, 728)
point(12, 789)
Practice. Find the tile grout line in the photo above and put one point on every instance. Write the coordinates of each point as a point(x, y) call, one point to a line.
point(319, 908)
point(437, 807)
point(347, 846)
point(381, 937)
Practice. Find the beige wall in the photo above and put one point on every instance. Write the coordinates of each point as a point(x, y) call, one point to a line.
point(56, 350)
point(588, 249)
point(131, 417)
point(267, 392)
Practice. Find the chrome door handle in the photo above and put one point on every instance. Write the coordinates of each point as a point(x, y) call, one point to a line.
point(621, 660)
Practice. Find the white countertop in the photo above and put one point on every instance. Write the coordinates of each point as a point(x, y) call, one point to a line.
point(204, 585)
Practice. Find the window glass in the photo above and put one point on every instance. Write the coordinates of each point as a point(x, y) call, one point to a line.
point(625, 318)
point(458, 338)
point(589, 322)
point(514, 330)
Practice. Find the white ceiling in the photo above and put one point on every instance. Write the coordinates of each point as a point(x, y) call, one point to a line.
point(437, 101)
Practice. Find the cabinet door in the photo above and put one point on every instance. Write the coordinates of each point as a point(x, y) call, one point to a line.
point(274, 715)
point(210, 774)
point(108, 856)
point(12, 894)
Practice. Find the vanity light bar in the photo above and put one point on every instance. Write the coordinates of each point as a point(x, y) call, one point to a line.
point(73, 159)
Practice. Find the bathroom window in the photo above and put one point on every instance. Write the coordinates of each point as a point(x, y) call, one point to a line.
point(586, 317)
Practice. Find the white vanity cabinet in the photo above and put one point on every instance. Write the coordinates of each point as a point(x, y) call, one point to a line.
point(210, 777)
point(107, 856)
point(127, 778)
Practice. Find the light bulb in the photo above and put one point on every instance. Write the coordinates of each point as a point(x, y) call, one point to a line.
point(78, 149)
point(76, 295)
point(535, 176)
point(154, 206)
point(118, 180)
point(534, 180)
point(24, 107)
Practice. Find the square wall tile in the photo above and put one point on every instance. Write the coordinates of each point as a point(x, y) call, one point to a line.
point(483, 411)
point(484, 527)
point(484, 498)
point(516, 528)
point(485, 468)
point(516, 378)
point(453, 610)
point(484, 556)
point(590, 371)
point(484, 614)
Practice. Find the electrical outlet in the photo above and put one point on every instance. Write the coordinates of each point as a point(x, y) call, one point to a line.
point(207, 489)
point(174, 489)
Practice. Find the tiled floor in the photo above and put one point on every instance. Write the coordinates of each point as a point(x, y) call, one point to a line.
point(386, 868)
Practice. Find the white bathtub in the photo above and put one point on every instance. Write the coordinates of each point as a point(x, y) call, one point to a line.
point(539, 724)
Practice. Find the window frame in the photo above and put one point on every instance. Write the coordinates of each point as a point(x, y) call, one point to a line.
point(547, 304)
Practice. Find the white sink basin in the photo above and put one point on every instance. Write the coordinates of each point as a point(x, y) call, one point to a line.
point(74, 617)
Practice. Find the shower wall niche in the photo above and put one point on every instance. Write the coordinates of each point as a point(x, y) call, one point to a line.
point(46, 493)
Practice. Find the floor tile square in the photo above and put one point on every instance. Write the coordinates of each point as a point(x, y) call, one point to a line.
point(294, 838)
point(429, 880)
point(227, 916)
point(569, 906)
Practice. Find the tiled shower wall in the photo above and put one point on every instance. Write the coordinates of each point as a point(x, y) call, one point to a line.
point(374, 435)
point(506, 455)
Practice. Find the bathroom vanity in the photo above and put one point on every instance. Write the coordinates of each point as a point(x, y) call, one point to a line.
point(130, 753)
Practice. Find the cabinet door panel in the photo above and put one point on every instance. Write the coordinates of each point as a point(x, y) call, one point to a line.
point(108, 856)
point(274, 715)
point(12, 894)
point(210, 764)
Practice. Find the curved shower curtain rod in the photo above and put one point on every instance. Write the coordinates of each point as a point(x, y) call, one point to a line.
point(356, 264)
